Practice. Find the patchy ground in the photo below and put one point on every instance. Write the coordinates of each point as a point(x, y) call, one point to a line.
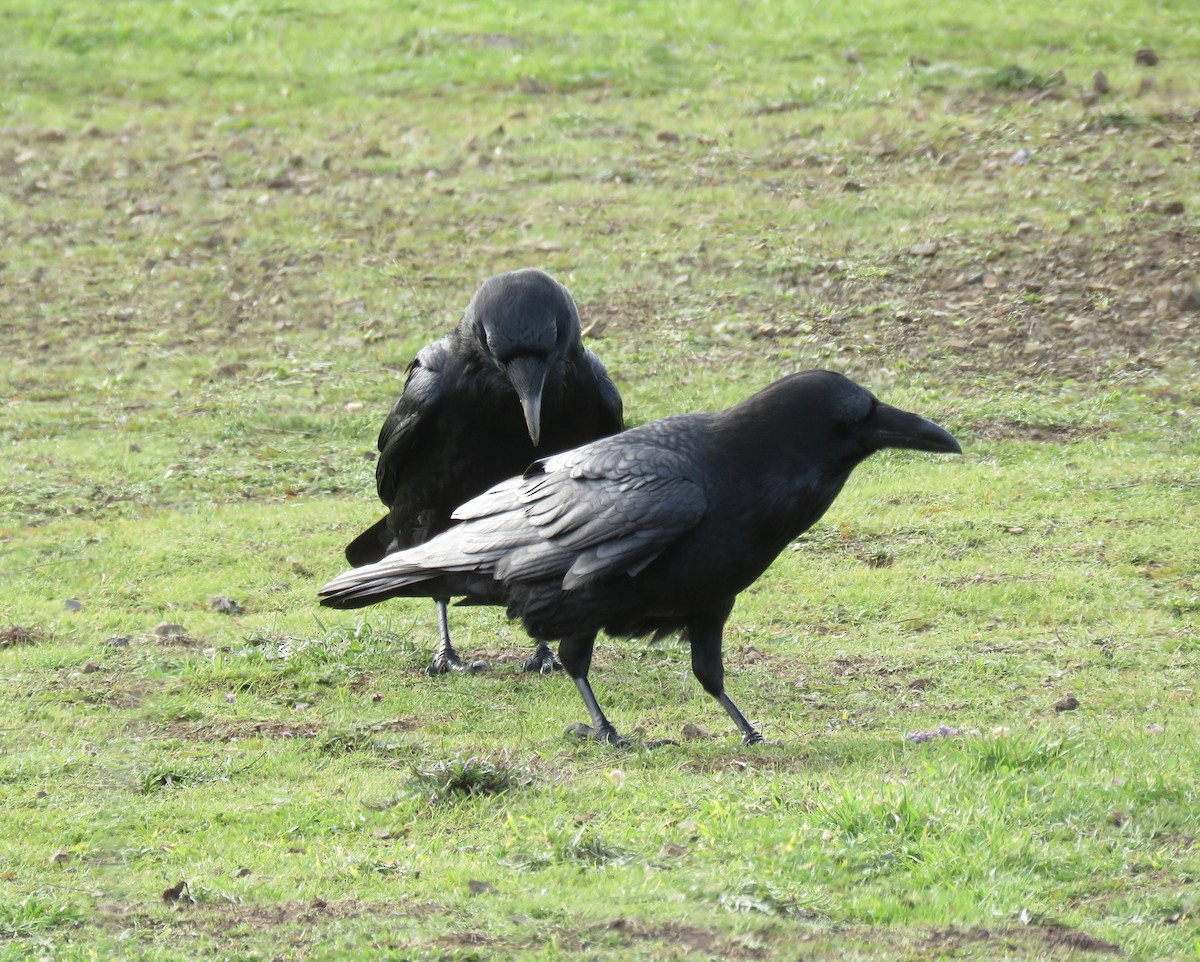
point(224, 233)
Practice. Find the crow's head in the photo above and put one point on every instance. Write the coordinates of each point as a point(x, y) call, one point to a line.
point(525, 323)
point(836, 421)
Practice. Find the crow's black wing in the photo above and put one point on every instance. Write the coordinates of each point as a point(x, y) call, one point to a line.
point(612, 412)
point(607, 508)
point(411, 417)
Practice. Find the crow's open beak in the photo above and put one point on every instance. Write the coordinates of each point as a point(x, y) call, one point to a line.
point(527, 375)
point(892, 428)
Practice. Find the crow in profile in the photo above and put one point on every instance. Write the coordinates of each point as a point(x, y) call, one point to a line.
point(511, 383)
point(653, 530)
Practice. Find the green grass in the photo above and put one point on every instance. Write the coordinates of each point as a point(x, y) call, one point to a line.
point(225, 230)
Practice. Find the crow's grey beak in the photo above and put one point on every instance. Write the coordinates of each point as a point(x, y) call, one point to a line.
point(527, 375)
point(892, 428)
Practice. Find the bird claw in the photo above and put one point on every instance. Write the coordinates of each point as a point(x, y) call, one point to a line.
point(753, 738)
point(444, 662)
point(544, 661)
point(605, 734)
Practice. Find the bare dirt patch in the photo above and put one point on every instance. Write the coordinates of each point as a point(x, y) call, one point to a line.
point(1004, 429)
point(225, 918)
point(234, 731)
point(1057, 938)
point(1039, 304)
point(712, 943)
point(15, 635)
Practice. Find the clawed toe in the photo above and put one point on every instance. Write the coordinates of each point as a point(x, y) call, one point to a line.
point(543, 661)
point(604, 734)
point(443, 664)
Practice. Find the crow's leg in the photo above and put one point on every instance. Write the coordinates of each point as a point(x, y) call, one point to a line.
point(446, 658)
point(709, 669)
point(575, 651)
point(542, 660)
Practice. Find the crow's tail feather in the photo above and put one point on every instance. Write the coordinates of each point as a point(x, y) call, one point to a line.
point(370, 546)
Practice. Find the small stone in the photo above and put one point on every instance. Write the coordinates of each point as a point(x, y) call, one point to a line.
point(73, 604)
point(1189, 299)
point(91, 668)
point(1066, 703)
point(1146, 57)
point(476, 887)
point(180, 892)
point(1100, 83)
point(225, 605)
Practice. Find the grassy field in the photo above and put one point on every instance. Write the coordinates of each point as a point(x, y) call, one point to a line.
point(226, 229)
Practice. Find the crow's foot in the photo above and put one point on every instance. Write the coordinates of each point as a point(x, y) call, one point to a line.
point(752, 738)
point(543, 660)
point(447, 661)
point(605, 733)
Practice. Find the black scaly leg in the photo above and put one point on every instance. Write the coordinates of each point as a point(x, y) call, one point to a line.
point(709, 669)
point(575, 652)
point(446, 658)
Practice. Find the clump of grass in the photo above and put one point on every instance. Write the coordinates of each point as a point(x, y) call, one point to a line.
point(571, 845)
point(1015, 78)
point(753, 895)
point(459, 778)
point(1015, 753)
point(589, 848)
point(857, 816)
point(346, 742)
point(178, 777)
point(34, 914)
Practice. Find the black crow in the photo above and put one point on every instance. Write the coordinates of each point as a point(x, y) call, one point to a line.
point(513, 382)
point(654, 530)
